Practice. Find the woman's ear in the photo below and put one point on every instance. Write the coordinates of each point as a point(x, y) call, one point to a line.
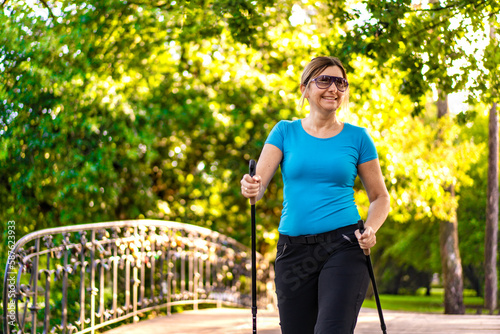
point(302, 90)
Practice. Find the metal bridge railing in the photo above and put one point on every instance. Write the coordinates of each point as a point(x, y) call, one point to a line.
point(77, 279)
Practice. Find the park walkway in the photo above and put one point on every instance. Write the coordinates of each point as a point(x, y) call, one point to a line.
point(239, 321)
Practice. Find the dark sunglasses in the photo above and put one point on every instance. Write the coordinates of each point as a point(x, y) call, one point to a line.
point(325, 81)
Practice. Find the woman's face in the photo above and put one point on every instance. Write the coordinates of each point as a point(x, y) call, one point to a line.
point(328, 99)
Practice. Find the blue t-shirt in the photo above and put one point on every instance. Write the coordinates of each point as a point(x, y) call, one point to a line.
point(318, 176)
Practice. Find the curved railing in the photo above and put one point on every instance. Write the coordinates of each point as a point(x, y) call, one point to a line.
point(77, 279)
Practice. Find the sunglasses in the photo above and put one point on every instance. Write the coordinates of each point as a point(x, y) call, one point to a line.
point(325, 81)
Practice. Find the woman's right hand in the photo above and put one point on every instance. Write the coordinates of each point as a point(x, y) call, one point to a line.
point(250, 186)
point(254, 187)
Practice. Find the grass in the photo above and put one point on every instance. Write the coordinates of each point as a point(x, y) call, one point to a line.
point(425, 304)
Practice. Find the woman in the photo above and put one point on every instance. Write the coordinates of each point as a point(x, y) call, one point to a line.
point(321, 273)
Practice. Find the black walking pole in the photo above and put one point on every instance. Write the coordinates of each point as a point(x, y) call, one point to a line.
point(252, 167)
point(361, 227)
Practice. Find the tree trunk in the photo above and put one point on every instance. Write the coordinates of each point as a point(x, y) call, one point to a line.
point(442, 105)
point(491, 234)
point(451, 265)
point(450, 255)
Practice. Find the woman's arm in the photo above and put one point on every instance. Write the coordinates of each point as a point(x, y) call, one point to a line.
point(373, 181)
point(269, 160)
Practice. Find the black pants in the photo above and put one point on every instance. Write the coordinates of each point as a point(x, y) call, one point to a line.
point(321, 282)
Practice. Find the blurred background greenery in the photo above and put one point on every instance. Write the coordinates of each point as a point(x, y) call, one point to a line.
point(114, 110)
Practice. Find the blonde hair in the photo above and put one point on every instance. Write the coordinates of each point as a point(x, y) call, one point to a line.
point(313, 69)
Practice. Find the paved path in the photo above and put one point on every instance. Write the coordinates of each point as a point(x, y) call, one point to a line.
point(239, 321)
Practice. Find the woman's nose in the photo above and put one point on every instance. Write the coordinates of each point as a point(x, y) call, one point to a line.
point(333, 88)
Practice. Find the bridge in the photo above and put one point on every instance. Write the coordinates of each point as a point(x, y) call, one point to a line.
point(84, 278)
point(106, 277)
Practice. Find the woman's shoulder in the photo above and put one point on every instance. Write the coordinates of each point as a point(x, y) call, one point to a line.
point(355, 129)
point(285, 124)
point(281, 131)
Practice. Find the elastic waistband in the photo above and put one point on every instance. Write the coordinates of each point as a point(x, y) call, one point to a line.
point(319, 238)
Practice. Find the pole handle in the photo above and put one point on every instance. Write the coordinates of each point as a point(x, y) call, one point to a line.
point(252, 166)
point(361, 228)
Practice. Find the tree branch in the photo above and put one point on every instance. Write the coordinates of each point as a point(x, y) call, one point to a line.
point(49, 9)
point(454, 5)
point(433, 25)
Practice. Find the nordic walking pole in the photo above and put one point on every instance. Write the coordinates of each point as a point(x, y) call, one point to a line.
point(252, 168)
point(361, 227)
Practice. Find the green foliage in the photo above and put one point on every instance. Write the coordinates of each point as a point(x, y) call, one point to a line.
point(437, 47)
point(472, 202)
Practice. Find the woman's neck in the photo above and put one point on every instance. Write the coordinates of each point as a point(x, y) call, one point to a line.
point(322, 127)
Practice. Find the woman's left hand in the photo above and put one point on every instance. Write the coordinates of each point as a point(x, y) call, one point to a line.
point(366, 240)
